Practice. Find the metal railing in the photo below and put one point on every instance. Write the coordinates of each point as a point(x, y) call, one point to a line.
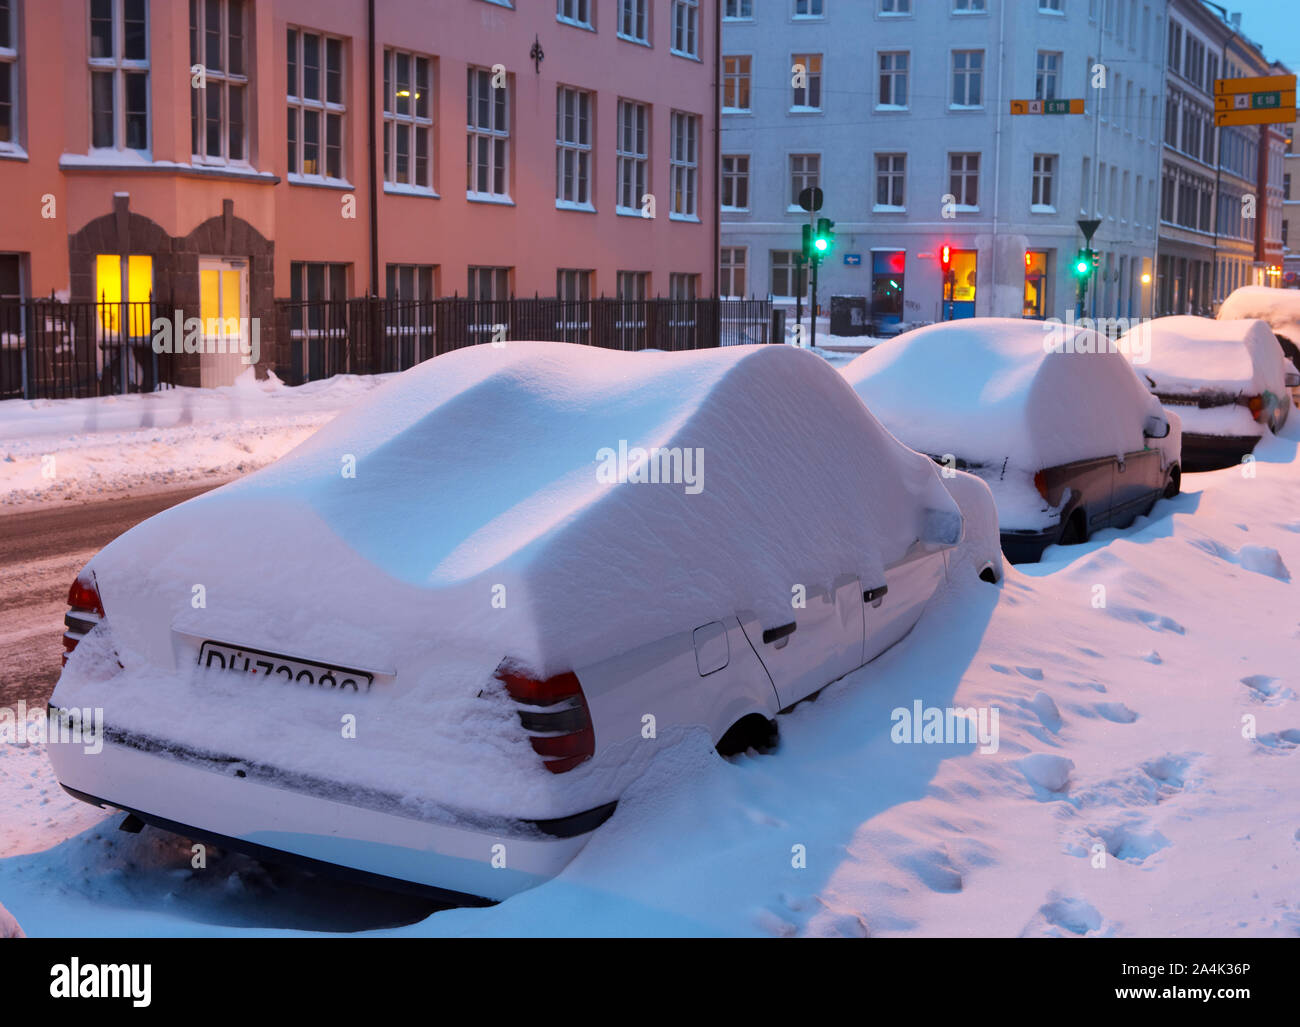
point(372, 336)
point(55, 350)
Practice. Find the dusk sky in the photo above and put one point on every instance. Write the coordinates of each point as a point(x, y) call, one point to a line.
point(1271, 24)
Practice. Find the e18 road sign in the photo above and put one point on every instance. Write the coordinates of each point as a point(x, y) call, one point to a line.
point(1046, 106)
point(1262, 100)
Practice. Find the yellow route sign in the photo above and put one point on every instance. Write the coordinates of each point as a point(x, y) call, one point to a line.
point(1263, 100)
point(1259, 84)
point(1046, 106)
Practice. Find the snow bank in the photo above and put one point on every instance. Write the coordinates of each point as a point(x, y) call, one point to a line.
point(9, 926)
point(480, 475)
point(1004, 390)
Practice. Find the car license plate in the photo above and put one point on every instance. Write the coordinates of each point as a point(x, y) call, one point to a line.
point(282, 669)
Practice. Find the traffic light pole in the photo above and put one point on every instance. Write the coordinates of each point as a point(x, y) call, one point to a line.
point(817, 263)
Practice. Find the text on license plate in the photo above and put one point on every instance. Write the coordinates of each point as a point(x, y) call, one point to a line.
point(272, 667)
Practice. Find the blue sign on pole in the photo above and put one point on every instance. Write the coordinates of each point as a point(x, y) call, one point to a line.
point(853, 259)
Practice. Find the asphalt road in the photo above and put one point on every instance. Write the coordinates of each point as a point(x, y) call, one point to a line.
point(41, 552)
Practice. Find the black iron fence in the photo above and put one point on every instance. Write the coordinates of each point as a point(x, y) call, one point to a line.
point(55, 350)
point(371, 336)
point(52, 350)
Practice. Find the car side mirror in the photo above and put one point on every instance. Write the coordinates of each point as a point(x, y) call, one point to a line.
point(943, 527)
point(1292, 379)
point(1155, 427)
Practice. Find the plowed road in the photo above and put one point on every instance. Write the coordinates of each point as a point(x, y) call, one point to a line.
point(41, 551)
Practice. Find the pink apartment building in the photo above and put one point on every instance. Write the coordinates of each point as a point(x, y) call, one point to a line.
point(221, 154)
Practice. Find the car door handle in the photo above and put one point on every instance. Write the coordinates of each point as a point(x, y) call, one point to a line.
point(873, 595)
point(776, 634)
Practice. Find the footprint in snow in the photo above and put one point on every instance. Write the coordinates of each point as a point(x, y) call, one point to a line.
point(1032, 673)
point(1154, 621)
point(1048, 715)
point(1260, 559)
point(1283, 741)
point(1116, 712)
point(1049, 774)
point(1131, 840)
point(1153, 657)
point(1077, 916)
point(1266, 689)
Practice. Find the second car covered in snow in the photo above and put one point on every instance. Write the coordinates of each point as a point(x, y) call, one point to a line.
point(1051, 416)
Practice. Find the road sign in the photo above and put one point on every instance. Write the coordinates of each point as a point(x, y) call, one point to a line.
point(1046, 106)
point(853, 259)
point(1088, 227)
point(810, 199)
point(1258, 84)
point(1262, 100)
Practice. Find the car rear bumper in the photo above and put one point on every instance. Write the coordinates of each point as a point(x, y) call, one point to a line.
point(236, 805)
point(1214, 452)
point(1028, 546)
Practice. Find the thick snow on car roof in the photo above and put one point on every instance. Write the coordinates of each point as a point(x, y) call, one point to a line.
point(492, 466)
point(987, 390)
point(1279, 307)
point(1192, 355)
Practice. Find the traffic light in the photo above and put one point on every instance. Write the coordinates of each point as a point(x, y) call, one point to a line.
point(1083, 264)
point(1096, 259)
point(945, 258)
point(807, 242)
point(824, 240)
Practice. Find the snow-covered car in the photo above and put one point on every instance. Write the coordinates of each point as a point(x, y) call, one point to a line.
point(1051, 416)
point(1227, 380)
point(436, 642)
point(1279, 308)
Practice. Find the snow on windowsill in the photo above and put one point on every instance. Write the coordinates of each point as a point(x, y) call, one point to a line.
point(631, 212)
point(402, 189)
point(320, 182)
point(886, 208)
point(585, 208)
point(795, 109)
point(1041, 208)
point(684, 217)
point(501, 199)
point(892, 107)
point(12, 151)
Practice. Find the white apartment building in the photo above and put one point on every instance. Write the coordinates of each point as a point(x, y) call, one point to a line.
point(903, 119)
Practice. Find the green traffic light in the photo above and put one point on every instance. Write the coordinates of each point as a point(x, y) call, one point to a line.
point(1081, 268)
point(822, 245)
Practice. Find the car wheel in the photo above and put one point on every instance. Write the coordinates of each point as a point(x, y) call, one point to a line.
point(1075, 532)
point(1175, 482)
point(750, 732)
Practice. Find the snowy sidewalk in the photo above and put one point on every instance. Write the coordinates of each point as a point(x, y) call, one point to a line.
point(87, 449)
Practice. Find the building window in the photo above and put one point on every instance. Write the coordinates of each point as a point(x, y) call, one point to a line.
point(1048, 75)
point(890, 178)
point(110, 270)
point(218, 107)
point(633, 155)
point(633, 21)
point(968, 78)
point(964, 178)
point(807, 68)
point(408, 119)
point(575, 12)
point(735, 10)
point(315, 105)
point(893, 80)
point(809, 8)
point(684, 164)
point(1044, 170)
point(8, 75)
point(315, 282)
point(805, 172)
point(895, 6)
point(410, 282)
point(735, 182)
point(487, 284)
point(119, 74)
point(1035, 298)
point(732, 272)
point(487, 142)
point(572, 285)
point(887, 269)
point(788, 277)
point(735, 83)
point(572, 147)
point(1055, 5)
point(963, 6)
point(633, 285)
point(682, 286)
point(686, 20)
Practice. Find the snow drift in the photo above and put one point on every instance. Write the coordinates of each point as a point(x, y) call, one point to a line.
point(1279, 307)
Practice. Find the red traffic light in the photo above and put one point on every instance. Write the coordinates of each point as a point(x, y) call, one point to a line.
point(945, 257)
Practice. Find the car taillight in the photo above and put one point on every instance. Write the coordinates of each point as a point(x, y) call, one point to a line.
point(555, 715)
point(86, 610)
point(1256, 405)
point(1040, 483)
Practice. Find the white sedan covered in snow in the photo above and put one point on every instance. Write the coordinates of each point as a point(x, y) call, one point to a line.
point(1227, 380)
point(436, 642)
point(1051, 416)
